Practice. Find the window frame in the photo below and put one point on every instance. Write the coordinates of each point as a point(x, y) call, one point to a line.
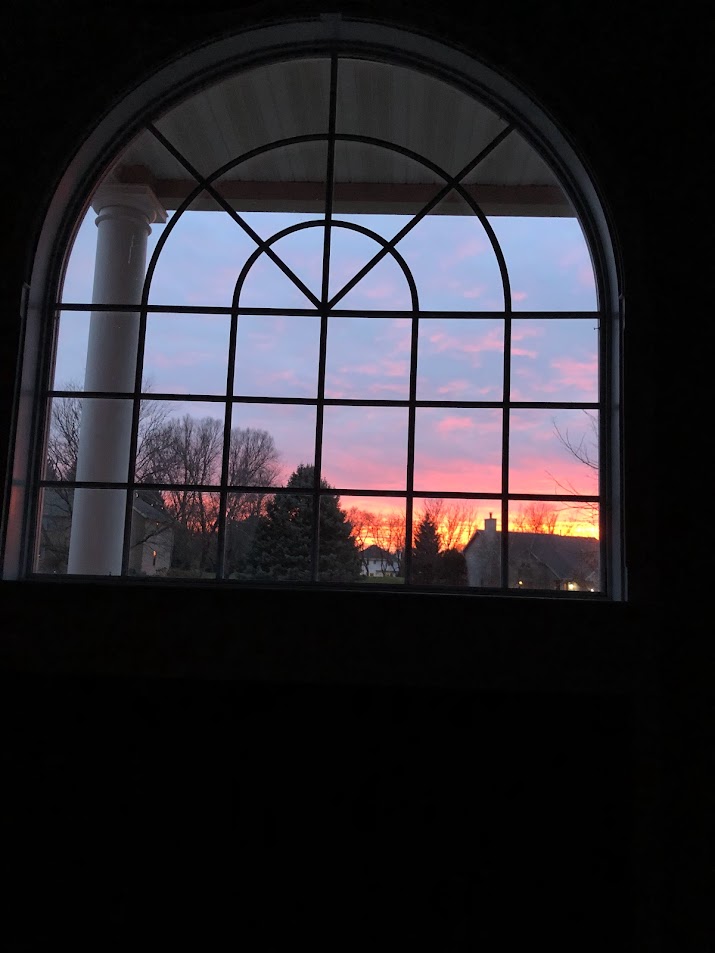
point(203, 66)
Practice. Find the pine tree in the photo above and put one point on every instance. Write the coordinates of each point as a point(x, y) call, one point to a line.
point(425, 554)
point(283, 543)
point(452, 568)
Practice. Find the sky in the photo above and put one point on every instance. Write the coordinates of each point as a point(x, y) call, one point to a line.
point(456, 450)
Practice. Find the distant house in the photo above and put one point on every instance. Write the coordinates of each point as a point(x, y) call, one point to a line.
point(152, 539)
point(378, 562)
point(152, 536)
point(536, 560)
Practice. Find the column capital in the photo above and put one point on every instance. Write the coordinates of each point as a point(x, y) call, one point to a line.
point(138, 197)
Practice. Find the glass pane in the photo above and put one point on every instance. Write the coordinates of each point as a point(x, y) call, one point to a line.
point(79, 268)
point(180, 442)
point(339, 555)
point(443, 541)
point(378, 531)
point(65, 418)
point(110, 337)
point(451, 256)
point(88, 439)
point(302, 252)
point(554, 517)
point(350, 251)
point(482, 552)
point(460, 359)
point(277, 356)
point(269, 538)
point(368, 358)
point(416, 111)
point(554, 360)
point(458, 450)
point(286, 435)
point(267, 286)
point(365, 447)
point(553, 545)
point(175, 534)
point(72, 333)
point(549, 264)
point(248, 110)
point(243, 512)
point(55, 521)
point(158, 521)
point(553, 451)
point(186, 353)
point(81, 531)
point(383, 288)
point(201, 259)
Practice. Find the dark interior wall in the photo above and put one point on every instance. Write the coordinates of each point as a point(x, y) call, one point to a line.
point(457, 769)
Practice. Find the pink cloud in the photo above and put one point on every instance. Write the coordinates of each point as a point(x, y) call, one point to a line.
point(369, 369)
point(579, 259)
point(456, 474)
point(519, 296)
point(524, 352)
point(164, 361)
point(475, 292)
point(287, 375)
point(399, 389)
point(380, 292)
point(466, 249)
point(454, 387)
point(395, 368)
point(522, 331)
point(574, 256)
point(585, 277)
point(578, 374)
point(449, 424)
point(549, 472)
point(491, 341)
point(368, 468)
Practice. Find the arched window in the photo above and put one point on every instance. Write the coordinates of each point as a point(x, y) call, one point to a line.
point(310, 312)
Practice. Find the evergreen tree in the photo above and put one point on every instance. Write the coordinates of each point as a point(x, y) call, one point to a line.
point(283, 542)
point(452, 568)
point(425, 554)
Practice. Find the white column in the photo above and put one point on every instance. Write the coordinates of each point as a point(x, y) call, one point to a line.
point(124, 217)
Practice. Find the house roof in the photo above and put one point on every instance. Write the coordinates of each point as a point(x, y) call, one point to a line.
point(375, 552)
point(567, 557)
point(150, 512)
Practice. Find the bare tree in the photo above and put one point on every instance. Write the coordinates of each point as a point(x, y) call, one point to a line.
point(193, 454)
point(182, 451)
point(62, 449)
point(455, 521)
point(584, 449)
point(361, 522)
point(386, 531)
point(536, 517)
point(391, 539)
point(253, 460)
point(64, 431)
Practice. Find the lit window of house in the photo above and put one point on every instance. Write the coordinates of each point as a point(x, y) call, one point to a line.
point(329, 318)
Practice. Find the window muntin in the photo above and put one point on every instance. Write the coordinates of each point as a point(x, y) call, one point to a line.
point(396, 292)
